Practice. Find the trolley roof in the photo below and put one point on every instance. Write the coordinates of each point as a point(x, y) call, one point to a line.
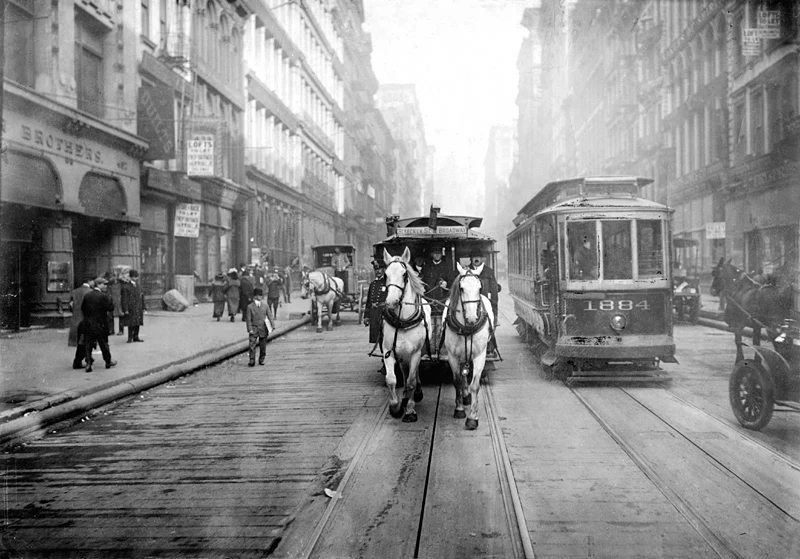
point(450, 229)
point(582, 188)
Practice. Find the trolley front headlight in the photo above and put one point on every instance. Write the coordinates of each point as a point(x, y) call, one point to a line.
point(618, 322)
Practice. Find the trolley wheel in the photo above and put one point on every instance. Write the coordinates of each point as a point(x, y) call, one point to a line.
point(752, 395)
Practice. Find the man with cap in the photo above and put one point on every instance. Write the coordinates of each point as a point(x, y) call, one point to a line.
point(95, 307)
point(489, 285)
point(437, 276)
point(373, 308)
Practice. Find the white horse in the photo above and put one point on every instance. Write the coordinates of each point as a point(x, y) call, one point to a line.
point(406, 324)
point(327, 290)
point(469, 322)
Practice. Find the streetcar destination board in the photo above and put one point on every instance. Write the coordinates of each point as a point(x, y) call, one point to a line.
point(442, 230)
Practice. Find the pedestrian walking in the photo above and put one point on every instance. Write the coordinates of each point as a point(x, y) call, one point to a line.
point(75, 301)
point(115, 292)
point(232, 289)
point(95, 307)
point(287, 272)
point(133, 306)
point(247, 284)
point(373, 308)
point(217, 294)
point(274, 288)
point(260, 322)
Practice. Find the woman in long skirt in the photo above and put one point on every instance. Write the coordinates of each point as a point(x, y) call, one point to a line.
point(232, 286)
point(217, 295)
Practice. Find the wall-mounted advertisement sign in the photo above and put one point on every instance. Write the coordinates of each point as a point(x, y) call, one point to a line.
point(751, 42)
point(715, 230)
point(200, 155)
point(769, 24)
point(187, 220)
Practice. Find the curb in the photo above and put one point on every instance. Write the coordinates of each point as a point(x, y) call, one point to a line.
point(83, 401)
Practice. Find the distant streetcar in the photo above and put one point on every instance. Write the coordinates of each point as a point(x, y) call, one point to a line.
point(591, 278)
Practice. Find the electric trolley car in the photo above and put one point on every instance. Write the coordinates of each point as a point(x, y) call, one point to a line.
point(455, 235)
point(590, 276)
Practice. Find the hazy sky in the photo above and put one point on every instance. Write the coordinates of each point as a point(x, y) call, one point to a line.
point(462, 56)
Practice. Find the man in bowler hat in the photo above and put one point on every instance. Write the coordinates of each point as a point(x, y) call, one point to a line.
point(257, 316)
point(95, 307)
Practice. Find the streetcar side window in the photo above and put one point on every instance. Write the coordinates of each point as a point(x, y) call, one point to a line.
point(582, 245)
point(617, 263)
point(650, 249)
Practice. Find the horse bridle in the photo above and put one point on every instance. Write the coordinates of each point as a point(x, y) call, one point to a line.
point(468, 329)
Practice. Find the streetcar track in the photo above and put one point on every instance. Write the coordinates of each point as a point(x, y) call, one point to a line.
point(786, 459)
point(718, 543)
point(427, 475)
point(708, 454)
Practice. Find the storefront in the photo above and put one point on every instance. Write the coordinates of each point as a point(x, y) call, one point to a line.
point(70, 206)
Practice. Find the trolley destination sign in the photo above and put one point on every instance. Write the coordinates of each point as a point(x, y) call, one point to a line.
point(442, 231)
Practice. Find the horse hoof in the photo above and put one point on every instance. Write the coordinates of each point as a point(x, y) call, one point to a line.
point(319, 330)
point(471, 424)
point(467, 400)
point(395, 410)
point(410, 418)
point(459, 414)
point(418, 395)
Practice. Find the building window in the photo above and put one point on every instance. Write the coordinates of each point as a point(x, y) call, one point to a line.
point(146, 18)
point(89, 39)
point(19, 61)
point(162, 20)
point(757, 122)
point(739, 130)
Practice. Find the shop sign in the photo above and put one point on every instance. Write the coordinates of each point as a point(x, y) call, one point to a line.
point(187, 220)
point(715, 230)
point(58, 277)
point(200, 155)
point(156, 121)
point(751, 42)
point(769, 24)
point(255, 256)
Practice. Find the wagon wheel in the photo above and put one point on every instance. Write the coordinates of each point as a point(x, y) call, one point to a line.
point(752, 395)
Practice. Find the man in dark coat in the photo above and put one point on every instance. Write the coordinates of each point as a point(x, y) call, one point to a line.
point(257, 314)
point(95, 307)
point(75, 301)
point(437, 277)
point(247, 284)
point(132, 305)
point(373, 308)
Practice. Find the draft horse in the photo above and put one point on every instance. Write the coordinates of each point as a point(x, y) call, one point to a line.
point(406, 326)
point(327, 290)
point(751, 301)
point(469, 323)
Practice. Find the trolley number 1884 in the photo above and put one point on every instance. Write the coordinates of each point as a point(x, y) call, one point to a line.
point(611, 305)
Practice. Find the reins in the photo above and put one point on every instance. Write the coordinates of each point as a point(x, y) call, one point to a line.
point(394, 320)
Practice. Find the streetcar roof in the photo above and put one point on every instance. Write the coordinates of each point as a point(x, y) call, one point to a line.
point(618, 187)
point(594, 204)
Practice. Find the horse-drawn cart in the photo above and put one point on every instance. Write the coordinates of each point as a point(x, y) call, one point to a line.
point(768, 382)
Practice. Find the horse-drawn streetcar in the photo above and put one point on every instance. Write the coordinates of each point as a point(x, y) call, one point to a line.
point(590, 275)
point(440, 304)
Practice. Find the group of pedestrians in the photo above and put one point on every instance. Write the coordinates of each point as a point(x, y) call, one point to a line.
point(94, 310)
point(236, 290)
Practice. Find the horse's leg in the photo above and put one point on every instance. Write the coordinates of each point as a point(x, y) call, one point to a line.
point(411, 386)
point(458, 384)
point(338, 305)
point(330, 315)
point(478, 364)
point(395, 409)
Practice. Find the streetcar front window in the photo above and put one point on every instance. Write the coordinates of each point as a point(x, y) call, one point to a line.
point(582, 245)
point(617, 261)
point(650, 248)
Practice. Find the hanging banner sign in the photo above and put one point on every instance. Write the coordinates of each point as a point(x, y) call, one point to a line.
point(751, 42)
point(715, 230)
point(200, 155)
point(769, 24)
point(187, 220)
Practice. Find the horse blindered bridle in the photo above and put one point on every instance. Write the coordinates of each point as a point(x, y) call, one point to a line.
point(393, 318)
point(467, 331)
point(325, 287)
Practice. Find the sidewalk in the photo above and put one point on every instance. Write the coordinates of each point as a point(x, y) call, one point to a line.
point(38, 385)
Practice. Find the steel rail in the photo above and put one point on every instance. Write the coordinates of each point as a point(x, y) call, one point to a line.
point(507, 473)
point(721, 547)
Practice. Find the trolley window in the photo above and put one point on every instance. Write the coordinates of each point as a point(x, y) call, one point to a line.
point(582, 245)
point(617, 263)
point(650, 248)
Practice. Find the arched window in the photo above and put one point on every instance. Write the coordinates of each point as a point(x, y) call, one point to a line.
point(679, 82)
point(211, 39)
point(699, 65)
point(789, 97)
point(224, 60)
point(236, 56)
point(710, 54)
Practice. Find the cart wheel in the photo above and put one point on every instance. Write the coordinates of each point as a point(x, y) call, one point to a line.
point(752, 395)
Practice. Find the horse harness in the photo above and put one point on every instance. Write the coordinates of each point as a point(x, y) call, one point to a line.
point(467, 331)
point(394, 320)
point(326, 286)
